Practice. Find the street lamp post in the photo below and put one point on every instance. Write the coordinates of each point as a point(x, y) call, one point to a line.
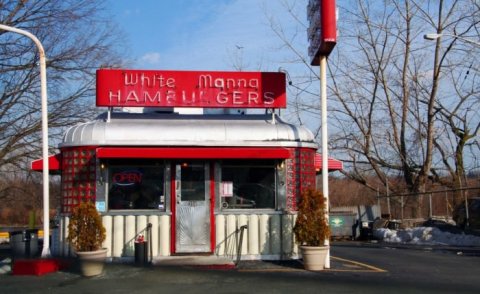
point(433, 37)
point(43, 94)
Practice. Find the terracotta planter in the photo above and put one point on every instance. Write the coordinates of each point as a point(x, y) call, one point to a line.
point(92, 262)
point(314, 257)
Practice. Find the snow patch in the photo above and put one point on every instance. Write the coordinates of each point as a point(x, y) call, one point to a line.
point(425, 236)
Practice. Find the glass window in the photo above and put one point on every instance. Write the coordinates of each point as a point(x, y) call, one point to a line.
point(192, 182)
point(136, 185)
point(247, 184)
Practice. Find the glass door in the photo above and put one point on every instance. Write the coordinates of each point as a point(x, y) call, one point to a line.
point(192, 207)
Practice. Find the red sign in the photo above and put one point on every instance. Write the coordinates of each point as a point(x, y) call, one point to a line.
point(210, 89)
point(322, 33)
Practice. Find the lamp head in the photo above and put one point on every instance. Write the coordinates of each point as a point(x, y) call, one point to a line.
point(431, 36)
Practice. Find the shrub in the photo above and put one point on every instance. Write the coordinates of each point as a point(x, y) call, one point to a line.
point(85, 230)
point(311, 227)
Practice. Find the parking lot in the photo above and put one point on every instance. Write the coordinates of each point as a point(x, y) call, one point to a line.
point(355, 267)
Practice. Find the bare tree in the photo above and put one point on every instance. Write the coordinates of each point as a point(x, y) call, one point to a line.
point(78, 38)
point(396, 100)
point(460, 125)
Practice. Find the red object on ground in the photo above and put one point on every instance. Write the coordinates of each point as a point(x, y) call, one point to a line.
point(37, 267)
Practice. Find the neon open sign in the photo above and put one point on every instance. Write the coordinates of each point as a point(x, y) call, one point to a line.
point(127, 178)
point(209, 89)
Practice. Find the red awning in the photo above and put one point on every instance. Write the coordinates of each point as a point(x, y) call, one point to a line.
point(194, 152)
point(54, 163)
point(333, 164)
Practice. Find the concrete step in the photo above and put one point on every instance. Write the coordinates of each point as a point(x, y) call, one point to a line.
point(210, 261)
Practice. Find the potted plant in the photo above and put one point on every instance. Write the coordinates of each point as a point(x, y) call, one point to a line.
point(86, 234)
point(311, 229)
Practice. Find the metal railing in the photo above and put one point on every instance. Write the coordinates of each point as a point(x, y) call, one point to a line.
point(239, 246)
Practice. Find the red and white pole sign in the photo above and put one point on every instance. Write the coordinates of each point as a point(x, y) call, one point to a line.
point(322, 32)
point(209, 89)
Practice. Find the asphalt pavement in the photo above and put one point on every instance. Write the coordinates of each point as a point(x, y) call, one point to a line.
point(356, 267)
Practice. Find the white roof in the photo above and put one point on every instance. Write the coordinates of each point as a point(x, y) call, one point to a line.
point(173, 129)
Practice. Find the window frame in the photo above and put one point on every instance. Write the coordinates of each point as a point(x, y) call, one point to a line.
point(135, 164)
point(262, 163)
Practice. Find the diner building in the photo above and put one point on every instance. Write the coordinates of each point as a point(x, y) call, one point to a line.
point(191, 162)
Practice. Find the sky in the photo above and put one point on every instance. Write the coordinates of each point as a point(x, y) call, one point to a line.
point(202, 34)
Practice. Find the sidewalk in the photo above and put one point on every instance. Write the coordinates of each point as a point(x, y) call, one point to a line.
point(226, 264)
point(248, 277)
point(195, 262)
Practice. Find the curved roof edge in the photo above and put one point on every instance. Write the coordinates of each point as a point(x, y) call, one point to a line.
point(172, 129)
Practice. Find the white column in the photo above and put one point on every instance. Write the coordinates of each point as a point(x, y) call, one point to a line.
point(231, 248)
point(65, 244)
point(153, 219)
point(242, 220)
point(264, 235)
point(275, 239)
point(141, 225)
point(129, 235)
point(107, 223)
point(253, 235)
point(165, 235)
point(117, 232)
point(287, 234)
point(294, 242)
point(220, 234)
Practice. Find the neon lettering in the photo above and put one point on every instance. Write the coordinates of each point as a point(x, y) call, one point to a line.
point(222, 98)
point(114, 96)
point(268, 98)
point(132, 97)
point(131, 79)
point(252, 98)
